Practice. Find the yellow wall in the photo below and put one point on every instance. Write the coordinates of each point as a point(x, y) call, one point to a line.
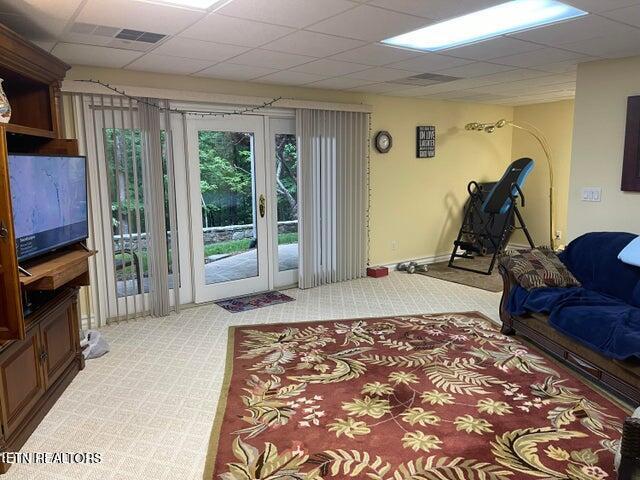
point(555, 121)
point(415, 204)
point(598, 139)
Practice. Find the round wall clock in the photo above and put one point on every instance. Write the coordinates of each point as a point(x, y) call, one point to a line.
point(383, 141)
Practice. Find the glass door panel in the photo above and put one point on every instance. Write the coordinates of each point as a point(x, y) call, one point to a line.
point(285, 180)
point(227, 187)
point(228, 206)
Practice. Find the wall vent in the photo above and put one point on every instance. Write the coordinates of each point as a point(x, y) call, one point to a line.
point(426, 79)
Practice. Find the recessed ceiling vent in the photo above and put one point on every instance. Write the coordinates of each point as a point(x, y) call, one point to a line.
point(425, 79)
point(106, 36)
point(138, 36)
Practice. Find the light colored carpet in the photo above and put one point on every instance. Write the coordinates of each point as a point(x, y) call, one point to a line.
point(148, 405)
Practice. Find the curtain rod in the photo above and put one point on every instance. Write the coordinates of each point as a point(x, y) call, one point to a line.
point(74, 86)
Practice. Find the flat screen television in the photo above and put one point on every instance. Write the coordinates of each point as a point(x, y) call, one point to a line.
point(49, 198)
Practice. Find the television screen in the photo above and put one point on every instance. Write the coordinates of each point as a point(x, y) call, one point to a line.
point(49, 196)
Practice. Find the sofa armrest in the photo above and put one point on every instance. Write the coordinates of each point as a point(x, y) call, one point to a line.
point(630, 450)
point(509, 283)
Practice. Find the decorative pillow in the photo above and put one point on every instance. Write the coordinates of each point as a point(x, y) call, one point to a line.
point(538, 268)
point(631, 253)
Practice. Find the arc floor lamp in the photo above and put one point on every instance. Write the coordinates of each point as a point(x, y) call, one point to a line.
point(539, 136)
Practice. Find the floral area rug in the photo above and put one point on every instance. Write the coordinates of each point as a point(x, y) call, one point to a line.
point(251, 302)
point(410, 397)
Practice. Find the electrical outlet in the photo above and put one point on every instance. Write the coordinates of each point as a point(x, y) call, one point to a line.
point(592, 194)
point(394, 245)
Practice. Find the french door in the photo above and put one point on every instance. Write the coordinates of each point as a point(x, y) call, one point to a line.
point(243, 196)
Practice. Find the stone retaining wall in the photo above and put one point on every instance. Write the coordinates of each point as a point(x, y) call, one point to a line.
point(211, 235)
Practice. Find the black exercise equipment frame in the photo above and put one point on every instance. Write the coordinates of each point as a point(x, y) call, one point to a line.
point(497, 241)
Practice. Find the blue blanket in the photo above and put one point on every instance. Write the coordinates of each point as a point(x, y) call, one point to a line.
point(602, 314)
point(604, 323)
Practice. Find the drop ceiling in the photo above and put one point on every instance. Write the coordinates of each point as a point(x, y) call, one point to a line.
point(331, 44)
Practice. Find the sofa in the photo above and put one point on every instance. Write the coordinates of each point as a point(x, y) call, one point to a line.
point(594, 328)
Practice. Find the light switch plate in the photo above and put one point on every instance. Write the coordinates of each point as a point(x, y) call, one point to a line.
point(592, 194)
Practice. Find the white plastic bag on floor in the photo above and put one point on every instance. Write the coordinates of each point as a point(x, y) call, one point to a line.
point(97, 344)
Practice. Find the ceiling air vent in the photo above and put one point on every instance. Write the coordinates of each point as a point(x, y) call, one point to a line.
point(426, 79)
point(139, 36)
point(105, 36)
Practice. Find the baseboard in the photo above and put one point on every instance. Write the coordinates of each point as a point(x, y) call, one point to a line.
point(445, 256)
point(424, 260)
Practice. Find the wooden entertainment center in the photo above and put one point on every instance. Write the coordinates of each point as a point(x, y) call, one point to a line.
point(40, 350)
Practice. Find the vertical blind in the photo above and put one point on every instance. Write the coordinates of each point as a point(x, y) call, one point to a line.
point(132, 211)
point(333, 165)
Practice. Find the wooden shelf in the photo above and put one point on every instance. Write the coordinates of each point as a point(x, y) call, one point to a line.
point(55, 271)
point(34, 132)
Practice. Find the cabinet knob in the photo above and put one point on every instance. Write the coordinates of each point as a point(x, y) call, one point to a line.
point(43, 355)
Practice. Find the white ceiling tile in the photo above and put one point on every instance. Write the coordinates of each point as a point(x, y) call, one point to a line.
point(230, 71)
point(190, 48)
point(597, 6)
point(376, 54)
point(429, 62)
point(48, 46)
point(476, 69)
point(329, 68)
point(629, 15)
point(339, 83)
point(436, 9)
point(369, 23)
point(512, 75)
point(269, 59)
point(149, 17)
point(539, 57)
point(314, 44)
point(494, 48)
point(575, 30)
point(289, 77)
point(610, 46)
point(38, 20)
point(236, 31)
point(381, 74)
point(153, 62)
point(76, 54)
point(292, 13)
point(568, 66)
point(385, 87)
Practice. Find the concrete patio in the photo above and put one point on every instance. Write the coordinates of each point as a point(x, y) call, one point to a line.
point(244, 265)
point(227, 268)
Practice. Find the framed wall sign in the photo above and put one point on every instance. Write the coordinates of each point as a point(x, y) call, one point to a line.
point(631, 165)
point(426, 141)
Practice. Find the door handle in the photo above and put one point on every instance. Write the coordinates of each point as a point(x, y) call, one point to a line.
point(262, 206)
point(4, 232)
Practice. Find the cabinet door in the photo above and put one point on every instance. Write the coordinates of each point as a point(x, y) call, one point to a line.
point(22, 379)
point(11, 320)
point(58, 340)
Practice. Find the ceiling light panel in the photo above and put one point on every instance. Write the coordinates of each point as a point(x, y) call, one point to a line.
point(510, 17)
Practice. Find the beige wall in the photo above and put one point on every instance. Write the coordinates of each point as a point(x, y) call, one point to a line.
point(598, 143)
point(555, 121)
point(415, 204)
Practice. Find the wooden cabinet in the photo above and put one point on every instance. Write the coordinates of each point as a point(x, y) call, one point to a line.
point(11, 321)
point(59, 340)
point(39, 354)
point(22, 380)
point(35, 371)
